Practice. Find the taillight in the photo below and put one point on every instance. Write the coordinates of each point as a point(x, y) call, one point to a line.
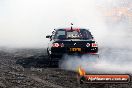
point(55, 45)
point(58, 45)
point(94, 45)
point(87, 45)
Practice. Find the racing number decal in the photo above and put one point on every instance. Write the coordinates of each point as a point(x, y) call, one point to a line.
point(75, 49)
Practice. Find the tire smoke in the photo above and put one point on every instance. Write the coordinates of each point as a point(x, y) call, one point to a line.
point(114, 41)
point(109, 61)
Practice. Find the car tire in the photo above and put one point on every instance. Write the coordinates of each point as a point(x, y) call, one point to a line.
point(52, 62)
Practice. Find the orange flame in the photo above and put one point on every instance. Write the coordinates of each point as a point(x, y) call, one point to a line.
point(81, 71)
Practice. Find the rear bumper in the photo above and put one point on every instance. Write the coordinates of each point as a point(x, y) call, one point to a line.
point(60, 52)
point(60, 55)
point(67, 50)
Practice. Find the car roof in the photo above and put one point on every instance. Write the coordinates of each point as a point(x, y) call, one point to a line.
point(67, 29)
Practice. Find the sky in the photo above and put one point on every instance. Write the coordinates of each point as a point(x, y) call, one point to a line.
point(25, 23)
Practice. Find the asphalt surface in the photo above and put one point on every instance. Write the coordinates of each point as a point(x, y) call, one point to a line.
point(29, 68)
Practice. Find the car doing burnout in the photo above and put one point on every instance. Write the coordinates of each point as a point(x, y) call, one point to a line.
point(71, 41)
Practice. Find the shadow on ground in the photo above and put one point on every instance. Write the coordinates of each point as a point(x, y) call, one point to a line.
point(37, 62)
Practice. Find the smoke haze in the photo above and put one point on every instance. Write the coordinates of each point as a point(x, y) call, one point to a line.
point(114, 39)
point(25, 23)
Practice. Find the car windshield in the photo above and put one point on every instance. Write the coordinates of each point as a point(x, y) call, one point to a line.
point(73, 34)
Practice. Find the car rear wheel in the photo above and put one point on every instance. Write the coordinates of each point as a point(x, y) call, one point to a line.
point(53, 62)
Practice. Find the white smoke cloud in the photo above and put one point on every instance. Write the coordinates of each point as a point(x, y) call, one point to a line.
point(110, 61)
point(114, 41)
point(25, 23)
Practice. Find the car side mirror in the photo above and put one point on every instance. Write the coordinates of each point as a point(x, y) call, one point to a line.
point(48, 36)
